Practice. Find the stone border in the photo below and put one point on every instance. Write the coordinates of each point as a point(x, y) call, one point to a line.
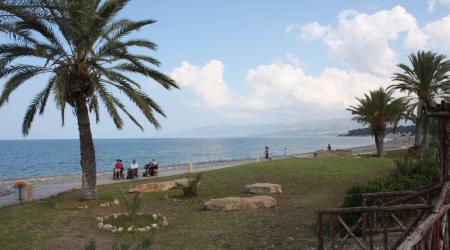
point(114, 229)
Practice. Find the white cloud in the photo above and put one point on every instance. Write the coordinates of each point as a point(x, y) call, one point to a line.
point(437, 34)
point(432, 4)
point(278, 87)
point(206, 81)
point(312, 31)
point(288, 86)
point(362, 40)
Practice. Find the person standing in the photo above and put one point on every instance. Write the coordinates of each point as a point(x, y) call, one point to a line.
point(266, 152)
point(329, 147)
point(285, 152)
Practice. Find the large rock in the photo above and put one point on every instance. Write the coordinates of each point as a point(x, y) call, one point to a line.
point(158, 186)
point(263, 188)
point(240, 203)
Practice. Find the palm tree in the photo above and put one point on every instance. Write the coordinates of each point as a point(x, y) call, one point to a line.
point(82, 48)
point(427, 79)
point(379, 109)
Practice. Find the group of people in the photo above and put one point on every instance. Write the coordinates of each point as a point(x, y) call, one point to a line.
point(268, 153)
point(150, 169)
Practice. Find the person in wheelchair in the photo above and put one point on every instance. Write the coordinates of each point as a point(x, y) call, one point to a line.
point(118, 170)
point(151, 169)
point(133, 170)
point(154, 168)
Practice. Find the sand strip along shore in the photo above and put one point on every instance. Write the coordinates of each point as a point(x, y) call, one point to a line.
point(45, 187)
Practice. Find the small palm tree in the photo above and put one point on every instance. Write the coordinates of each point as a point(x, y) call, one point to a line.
point(82, 48)
point(427, 79)
point(379, 109)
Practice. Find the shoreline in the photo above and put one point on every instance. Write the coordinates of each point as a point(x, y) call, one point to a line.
point(47, 186)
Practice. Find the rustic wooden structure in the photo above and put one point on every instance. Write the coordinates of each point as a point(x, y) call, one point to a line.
point(396, 220)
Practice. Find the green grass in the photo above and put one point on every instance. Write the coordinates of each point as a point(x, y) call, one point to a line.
point(393, 154)
point(308, 184)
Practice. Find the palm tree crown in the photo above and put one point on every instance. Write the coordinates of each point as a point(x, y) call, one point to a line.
point(427, 79)
point(379, 109)
point(84, 52)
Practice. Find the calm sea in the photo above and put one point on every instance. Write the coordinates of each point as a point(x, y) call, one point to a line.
point(26, 158)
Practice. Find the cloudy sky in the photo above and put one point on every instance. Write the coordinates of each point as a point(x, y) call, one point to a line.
point(247, 62)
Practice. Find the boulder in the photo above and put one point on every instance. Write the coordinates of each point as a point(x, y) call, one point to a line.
point(241, 203)
point(263, 188)
point(157, 186)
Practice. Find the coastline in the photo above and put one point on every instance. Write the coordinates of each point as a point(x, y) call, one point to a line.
point(47, 186)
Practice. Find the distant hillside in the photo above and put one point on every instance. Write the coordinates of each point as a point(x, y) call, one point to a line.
point(367, 131)
point(309, 127)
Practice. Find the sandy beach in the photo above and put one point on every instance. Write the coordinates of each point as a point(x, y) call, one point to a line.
point(51, 185)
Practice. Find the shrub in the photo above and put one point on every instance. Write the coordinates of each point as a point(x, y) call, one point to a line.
point(91, 245)
point(191, 189)
point(133, 205)
point(409, 174)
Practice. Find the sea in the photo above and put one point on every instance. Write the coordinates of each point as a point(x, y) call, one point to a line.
point(30, 158)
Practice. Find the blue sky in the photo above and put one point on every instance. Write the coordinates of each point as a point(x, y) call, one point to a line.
point(246, 62)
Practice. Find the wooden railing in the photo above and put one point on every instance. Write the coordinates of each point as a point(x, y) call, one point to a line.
point(434, 231)
point(383, 221)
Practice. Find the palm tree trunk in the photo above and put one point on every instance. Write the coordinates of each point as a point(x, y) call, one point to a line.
point(419, 126)
point(426, 133)
point(87, 151)
point(379, 143)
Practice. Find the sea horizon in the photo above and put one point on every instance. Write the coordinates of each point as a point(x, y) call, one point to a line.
point(53, 157)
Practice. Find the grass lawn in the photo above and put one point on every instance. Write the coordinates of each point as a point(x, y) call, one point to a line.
point(308, 184)
point(393, 154)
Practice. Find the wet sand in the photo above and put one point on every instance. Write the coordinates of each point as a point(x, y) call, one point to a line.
point(45, 187)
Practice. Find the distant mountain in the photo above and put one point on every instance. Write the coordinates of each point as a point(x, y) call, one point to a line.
point(311, 127)
point(368, 131)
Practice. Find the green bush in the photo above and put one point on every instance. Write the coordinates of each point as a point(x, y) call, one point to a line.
point(191, 189)
point(409, 174)
point(133, 205)
point(91, 245)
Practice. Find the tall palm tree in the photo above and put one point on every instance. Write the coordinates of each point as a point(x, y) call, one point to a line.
point(84, 52)
point(427, 79)
point(379, 109)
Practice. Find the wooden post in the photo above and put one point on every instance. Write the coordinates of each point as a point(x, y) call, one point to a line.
point(371, 226)
point(319, 232)
point(385, 232)
point(30, 193)
point(332, 231)
point(190, 167)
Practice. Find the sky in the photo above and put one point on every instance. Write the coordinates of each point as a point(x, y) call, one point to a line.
point(257, 62)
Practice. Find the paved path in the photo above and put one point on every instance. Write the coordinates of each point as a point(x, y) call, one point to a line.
point(45, 187)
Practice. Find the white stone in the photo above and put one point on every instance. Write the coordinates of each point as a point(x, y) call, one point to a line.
point(240, 203)
point(154, 225)
point(263, 188)
point(116, 201)
point(130, 229)
point(154, 216)
point(120, 229)
point(99, 219)
point(147, 228)
point(165, 223)
point(100, 225)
